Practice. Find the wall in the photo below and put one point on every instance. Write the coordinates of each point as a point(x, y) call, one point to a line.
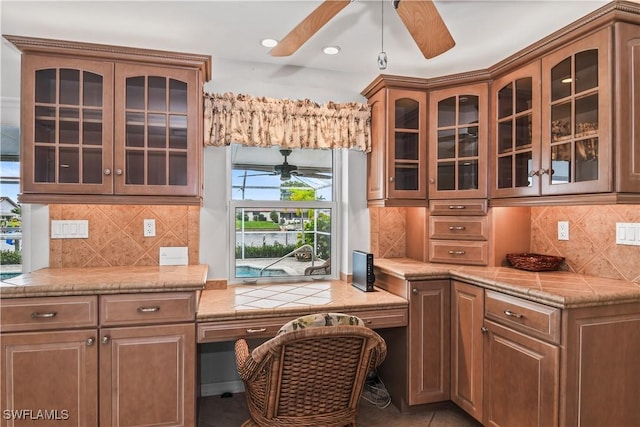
point(116, 238)
point(591, 248)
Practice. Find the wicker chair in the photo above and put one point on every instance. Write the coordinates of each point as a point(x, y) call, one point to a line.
point(310, 376)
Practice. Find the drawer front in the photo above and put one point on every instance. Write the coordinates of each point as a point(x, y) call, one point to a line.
point(459, 252)
point(231, 330)
point(30, 314)
point(459, 227)
point(529, 317)
point(458, 207)
point(144, 309)
point(267, 328)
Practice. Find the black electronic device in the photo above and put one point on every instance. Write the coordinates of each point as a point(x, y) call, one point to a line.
point(363, 277)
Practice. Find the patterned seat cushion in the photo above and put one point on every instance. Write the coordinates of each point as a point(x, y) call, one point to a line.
point(320, 319)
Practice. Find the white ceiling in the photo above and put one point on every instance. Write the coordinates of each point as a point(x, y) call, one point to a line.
point(230, 31)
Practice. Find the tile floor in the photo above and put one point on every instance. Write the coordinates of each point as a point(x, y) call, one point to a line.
point(215, 411)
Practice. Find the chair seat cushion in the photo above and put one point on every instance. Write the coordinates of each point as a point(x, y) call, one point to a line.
point(320, 319)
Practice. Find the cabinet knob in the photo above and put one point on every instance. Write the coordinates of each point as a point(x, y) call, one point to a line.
point(107, 172)
point(118, 172)
point(484, 330)
point(534, 173)
point(414, 290)
point(544, 171)
point(432, 180)
point(106, 339)
point(391, 179)
point(91, 341)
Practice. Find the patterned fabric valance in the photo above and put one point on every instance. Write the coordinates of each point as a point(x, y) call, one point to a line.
point(266, 122)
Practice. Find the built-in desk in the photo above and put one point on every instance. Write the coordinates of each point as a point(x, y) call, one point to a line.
point(258, 311)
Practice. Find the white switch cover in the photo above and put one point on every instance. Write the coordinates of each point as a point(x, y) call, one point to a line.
point(628, 233)
point(178, 255)
point(70, 229)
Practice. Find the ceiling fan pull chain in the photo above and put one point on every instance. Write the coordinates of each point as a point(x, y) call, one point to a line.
point(382, 56)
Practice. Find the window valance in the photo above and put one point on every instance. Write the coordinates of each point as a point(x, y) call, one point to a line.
point(265, 122)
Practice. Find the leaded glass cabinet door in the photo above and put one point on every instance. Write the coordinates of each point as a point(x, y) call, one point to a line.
point(458, 142)
point(516, 146)
point(156, 131)
point(67, 126)
point(406, 149)
point(576, 118)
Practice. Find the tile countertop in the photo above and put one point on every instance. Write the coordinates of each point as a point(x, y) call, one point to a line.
point(238, 302)
point(104, 280)
point(559, 289)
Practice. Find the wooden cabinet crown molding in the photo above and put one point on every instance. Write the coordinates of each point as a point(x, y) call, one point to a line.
point(109, 52)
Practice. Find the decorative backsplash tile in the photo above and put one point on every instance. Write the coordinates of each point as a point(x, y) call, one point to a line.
point(116, 234)
point(388, 232)
point(591, 248)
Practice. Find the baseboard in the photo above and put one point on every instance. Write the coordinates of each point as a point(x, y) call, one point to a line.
point(216, 389)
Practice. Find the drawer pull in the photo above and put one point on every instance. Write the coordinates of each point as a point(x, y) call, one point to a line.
point(153, 309)
point(256, 330)
point(457, 227)
point(36, 315)
point(512, 314)
point(457, 207)
point(368, 322)
point(456, 252)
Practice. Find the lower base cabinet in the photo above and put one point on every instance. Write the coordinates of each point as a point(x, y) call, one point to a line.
point(520, 379)
point(139, 373)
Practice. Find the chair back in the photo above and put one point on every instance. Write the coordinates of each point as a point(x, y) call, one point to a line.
point(312, 376)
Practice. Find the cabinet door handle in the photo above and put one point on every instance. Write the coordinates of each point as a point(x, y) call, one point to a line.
point(106, 339)
point(414, 290)
point(456, 252)
point(457, 227)
point(107, 172)
point(512, 314)
point(91, 341)
point(256, 330)
point(118, 171)
point(153, 309)
point(484, 330)
point(49, 315)
point(457, 207)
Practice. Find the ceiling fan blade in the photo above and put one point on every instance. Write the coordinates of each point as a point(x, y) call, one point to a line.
point(425, 26)
point(308, 27)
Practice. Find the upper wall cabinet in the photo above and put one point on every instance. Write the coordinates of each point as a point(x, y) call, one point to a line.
point(458, 137)
point(102, 123)
point(396, 165)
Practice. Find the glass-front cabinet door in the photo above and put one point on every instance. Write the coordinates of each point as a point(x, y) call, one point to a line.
point(155, 130)
point(516, 147)
point(406, 144)
point(67, 127)
point(576, 122)
point(458, 142)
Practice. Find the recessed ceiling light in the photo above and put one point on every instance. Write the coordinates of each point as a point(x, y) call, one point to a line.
point(331, 50)
point(268, 42)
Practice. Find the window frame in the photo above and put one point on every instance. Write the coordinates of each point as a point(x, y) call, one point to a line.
point(334, 205)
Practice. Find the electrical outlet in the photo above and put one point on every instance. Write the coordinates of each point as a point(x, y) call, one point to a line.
point(563, 230)
point(149, 227)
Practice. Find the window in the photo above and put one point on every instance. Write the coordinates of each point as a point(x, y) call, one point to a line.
point(10, 210)
point(283, 212)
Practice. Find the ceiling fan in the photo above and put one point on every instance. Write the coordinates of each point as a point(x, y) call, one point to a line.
point(286, 170)
point(421, 18)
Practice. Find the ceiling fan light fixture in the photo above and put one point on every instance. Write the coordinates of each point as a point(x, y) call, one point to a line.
point(331, 50)
point(269, 42)
point(382, 60)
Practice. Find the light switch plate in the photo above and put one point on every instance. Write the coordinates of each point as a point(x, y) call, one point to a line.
point(70, 229)
point(628, 233)
point(178, 255)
